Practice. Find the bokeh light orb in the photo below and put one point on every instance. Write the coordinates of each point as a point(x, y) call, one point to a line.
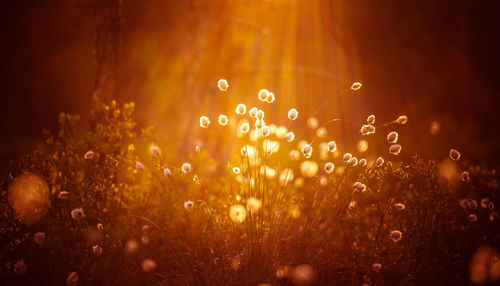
point(29, 197)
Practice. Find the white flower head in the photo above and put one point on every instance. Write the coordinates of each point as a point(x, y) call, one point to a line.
point(293, 114)
point(241, 109)
point(77, 213)
point(329, 167)
point(223, 120)
point(222, 84)
point(289, 137)
point(186, 168)
point(307, 150)
point(188, 205)
point(204, 122)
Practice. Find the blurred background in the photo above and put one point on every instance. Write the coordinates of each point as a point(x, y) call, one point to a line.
point(435, 61)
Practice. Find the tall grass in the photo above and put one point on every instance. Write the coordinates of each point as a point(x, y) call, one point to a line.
point(111, 208)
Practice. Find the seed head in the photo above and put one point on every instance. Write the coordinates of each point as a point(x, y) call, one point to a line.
point(396, 235)
point(204, 122)
point(188, 205)
point(289, 136)
point(329, 167)
point(307, 150)
point(293, 114)
point(236, 170)
point(356, 86)
point(77, 214)
point(395, 149)
point(223, 120)
point(270, 97)
point(222, 84)
point(379, 162)
point(332, 146)
point(253, 112)
point(186, 168)
point(241, 109)
point(347, 157)
point(370, 119)
point(265, 131)
point(455, 155)
point(244, 128)
point(39, 238)
point(362, 162)
point(89, 155)
point(237, 213)
point(392, 137)
point(263, 94)
point(402, 119)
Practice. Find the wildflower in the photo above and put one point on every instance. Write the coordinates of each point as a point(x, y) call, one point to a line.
point(309, 168)
point(293, 114)
point(270, 97)
point(236, 170)
point(312, 123)
point(454, 155)
point(376, 267)
point(353, 162)
point(243, 151)
point(303, 275)
point(186, 168)
point(20, 267)
point(362, 162)
point(253, 204)
point(307, 150)
point(204, 122)
point(148, 265)
point(332, 146)
point(402, 119)
point(89, 155)
point(223, 120)
point(379, 162)
point(259, 114)
point(399, 206)
point(77, 214)
point(188, 205)
point(166, 172)
point(472, 218)
point(241, 109)
point(244, 128)
point(72, 278)
point(370, 119)
point(356, 86)
point(237, 213)
point(63, 195)
point(329, 167)
point(39, 238)
point(265, 131)
point(96, 250)
point(139, 166)
point(263, 94)
point(392, 137)
point(222, 84)
point(347, 157)
point(395, 149)
point(396, 235)
point(465, 176)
